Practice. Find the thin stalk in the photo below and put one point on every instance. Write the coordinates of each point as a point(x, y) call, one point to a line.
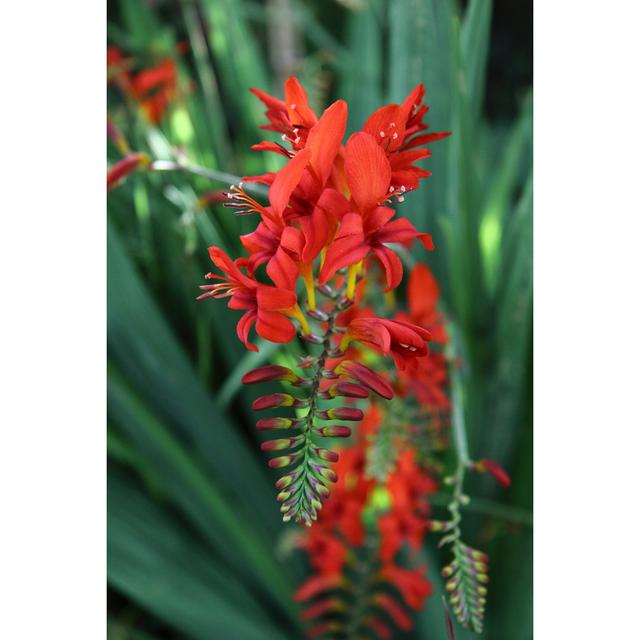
point(203, 172)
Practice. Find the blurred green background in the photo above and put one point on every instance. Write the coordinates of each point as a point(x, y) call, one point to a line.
point(196, 548)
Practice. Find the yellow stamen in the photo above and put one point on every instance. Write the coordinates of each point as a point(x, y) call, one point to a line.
point(352, 275)
point(344, 343)
point(307, 275)
point(296, 312)
point(323, 255)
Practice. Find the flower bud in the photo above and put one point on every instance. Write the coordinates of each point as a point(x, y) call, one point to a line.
point(274, 423)
point(489, 466)
point(269, 373)
point(366, 376)
point(334, 431)
point(325, 472)
point(281, 443)
point(130, 163)
point(347, 390)
point(343, 413)
point(284, 461)
point(325, 454)
point(273, 400)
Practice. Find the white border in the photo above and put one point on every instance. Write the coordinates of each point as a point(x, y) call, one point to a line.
point(586, 215)
point(52, 466)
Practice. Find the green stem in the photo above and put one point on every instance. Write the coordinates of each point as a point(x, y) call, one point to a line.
point(302, 506)
point(203, 172)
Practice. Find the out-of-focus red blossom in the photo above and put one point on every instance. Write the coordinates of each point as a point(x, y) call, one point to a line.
point(403, 341)
point(342, 511)
point(121, 169)
point(411, 583)
point(397, 528)
point(489, 466)
point(395, 611)
point(423, 294)
point(317, 584)
point(327, 554)
point(153, 88)
point(409, 488)
point(267, 307)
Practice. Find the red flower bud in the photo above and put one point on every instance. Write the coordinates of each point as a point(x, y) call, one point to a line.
point(365, 376)
point(344, 413)
point(348, 390)
point(272, 401)
point(281, 443)
point(269, 373)
point(336, 431)
point(325, 454)
point(130, 163)
point(284, 461)
point(489, 466)
point(274, 423)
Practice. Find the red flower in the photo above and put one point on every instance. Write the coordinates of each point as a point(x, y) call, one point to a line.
point(403, 341)
point(423, 294)
point(397, 528)
point(412, 584)
point(370, 229)
point(394, 127)
point(267, 307)
point(130, 163)
point(293, 117)
point(489, 466)
point(326, 553)
point(317, 584)
point(154, 88)
point(409, 485)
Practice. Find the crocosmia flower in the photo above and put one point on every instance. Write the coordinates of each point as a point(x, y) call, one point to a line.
point(267, 307)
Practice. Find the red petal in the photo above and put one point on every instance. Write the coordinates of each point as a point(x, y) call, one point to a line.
point(287, 180)
point(274, 327)
point(317, 584)
point(395, 611)
point(228, 267)
point(273, 298)
point(316, 233)
point(293, 239)
point(283, 270)
point(399, 230)
point(391, 264)
point(422, 291)
point(325, 139)
point(271, 146)
point(367, 170)
point(268, 100)
point(347, 248)
point(244, 326)
point(426, 138)
point(387, 120)
point(297, 104)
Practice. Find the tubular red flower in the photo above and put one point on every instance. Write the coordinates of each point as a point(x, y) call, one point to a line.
point(267, 307)
point(130, 163)
point(366, 377)
point(412, 584)
point(489, 466)
point(403, 341)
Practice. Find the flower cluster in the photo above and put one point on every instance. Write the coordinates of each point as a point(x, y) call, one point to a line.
point(358, 582)
point(329, 224)
point(152, 88)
